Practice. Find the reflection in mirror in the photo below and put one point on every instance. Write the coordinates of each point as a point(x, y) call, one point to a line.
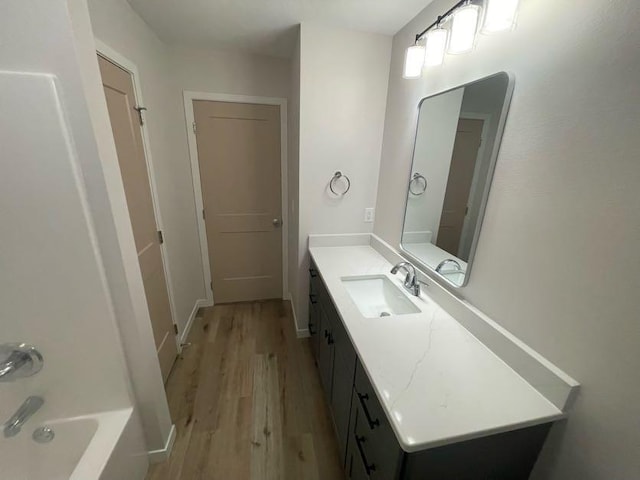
point(457, 142)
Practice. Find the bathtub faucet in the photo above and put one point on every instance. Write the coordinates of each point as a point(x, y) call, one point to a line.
point(30, 406)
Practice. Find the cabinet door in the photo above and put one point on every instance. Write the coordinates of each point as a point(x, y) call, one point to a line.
point(354, 467)
point(325, 354)
point(344, 366)
point(343, 372)
point(314, 327)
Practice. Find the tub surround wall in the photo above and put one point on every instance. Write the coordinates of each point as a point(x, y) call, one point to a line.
point(62, 246)
point(564, 193)
point(343, 86)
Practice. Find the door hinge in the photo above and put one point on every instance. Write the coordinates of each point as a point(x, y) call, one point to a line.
point(139, 110)
point(203, 215)
point(175, 328)
point(466, 210)
point(160, 237)
point(194, 127)
point(211, 286)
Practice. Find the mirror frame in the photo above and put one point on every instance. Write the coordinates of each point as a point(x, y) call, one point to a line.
point(485, 197)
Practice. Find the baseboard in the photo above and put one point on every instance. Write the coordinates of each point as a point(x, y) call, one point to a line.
point(199, 304)
point(158, 456)
point(304, 333)
point(300, 333)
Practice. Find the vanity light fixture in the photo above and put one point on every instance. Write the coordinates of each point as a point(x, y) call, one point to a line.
point(455, 31)
point(435, 46)
point(464, 27)
point(500, 15)
point(413, 61)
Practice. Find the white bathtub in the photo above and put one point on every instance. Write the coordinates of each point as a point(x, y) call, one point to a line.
point(84, 448)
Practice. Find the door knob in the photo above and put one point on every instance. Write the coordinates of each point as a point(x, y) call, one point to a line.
point(276, 222)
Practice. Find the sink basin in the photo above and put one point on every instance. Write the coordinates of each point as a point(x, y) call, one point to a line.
point(377, 296)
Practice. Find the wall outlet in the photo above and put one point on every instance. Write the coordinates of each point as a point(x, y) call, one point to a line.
point(369, 214)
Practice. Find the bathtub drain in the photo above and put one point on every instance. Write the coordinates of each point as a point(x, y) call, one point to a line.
point(43, 434)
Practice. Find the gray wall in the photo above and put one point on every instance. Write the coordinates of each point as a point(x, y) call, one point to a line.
point(343, 86)
point(557, 261)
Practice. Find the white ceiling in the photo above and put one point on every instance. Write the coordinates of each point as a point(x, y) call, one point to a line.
point(267, 26)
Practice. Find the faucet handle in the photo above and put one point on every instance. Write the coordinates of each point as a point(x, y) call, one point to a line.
point(18, 360)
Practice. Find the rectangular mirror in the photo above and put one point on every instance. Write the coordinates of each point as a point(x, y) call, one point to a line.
point(457, 142)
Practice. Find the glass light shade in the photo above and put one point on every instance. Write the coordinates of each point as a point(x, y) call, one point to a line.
point(413, 62)
point(436, 46)
point(500, 15)
point(463, 29)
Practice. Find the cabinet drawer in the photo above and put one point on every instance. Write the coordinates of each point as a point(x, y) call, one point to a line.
point(376, 449)
point(380, 443)
point(365, 394)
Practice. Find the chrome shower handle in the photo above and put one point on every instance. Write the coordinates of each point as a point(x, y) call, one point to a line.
point(18, 360)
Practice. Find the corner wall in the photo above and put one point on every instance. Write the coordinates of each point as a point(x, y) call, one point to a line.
point(343, 87)
point(293, 171)
point(557, 256)
point(118, 26)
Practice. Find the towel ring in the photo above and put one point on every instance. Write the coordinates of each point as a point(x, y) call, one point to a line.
point(337, 176)
point(422, 187)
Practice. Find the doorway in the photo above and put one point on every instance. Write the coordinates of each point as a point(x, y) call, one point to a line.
point(461, 175)
point(238, 147)
point(126, 120)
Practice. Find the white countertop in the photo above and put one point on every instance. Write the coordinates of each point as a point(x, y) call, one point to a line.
point(436, 381)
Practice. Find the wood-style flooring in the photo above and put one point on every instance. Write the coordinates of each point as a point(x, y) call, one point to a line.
point(247, 401)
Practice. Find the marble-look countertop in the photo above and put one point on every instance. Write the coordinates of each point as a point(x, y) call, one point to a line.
point(437, 382)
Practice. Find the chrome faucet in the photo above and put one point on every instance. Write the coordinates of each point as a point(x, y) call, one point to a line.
point(411, 282)
point(18, 360)
point(447, 262)
point(30, 406)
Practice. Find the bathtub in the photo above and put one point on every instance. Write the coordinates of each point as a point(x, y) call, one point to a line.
point(102, 446)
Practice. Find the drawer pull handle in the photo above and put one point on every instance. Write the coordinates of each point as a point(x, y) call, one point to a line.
point(312, 298)
point(329, 337)
point(369, 468)
point(372, 423)
point(313, 272)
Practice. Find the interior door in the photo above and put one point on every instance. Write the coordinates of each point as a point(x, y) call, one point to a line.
point(463, 161)
point(239, 158)
point(125, 123)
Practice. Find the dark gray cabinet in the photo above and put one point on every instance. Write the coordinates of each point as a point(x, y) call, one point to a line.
point(335, 356)
point(367, 442)
point(326, 352)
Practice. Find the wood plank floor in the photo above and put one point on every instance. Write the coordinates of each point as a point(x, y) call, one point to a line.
point(247, 401)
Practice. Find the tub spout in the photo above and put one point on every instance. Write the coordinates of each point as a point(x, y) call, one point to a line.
point(30, 406)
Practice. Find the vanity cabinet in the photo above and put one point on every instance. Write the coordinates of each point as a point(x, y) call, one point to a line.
point(368, 445)
point(334, 354)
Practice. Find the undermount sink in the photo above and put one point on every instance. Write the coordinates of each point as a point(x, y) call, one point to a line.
point(377, 296)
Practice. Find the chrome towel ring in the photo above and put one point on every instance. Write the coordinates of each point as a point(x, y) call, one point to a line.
point(420, 182)
point(337, 176)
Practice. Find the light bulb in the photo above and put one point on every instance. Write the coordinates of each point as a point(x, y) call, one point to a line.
point(435, 47)
point(463, 29)
point(500, 15)
point(413, 61)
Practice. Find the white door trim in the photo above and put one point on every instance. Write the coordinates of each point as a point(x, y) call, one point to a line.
point(189, 97)
point(113, 56)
